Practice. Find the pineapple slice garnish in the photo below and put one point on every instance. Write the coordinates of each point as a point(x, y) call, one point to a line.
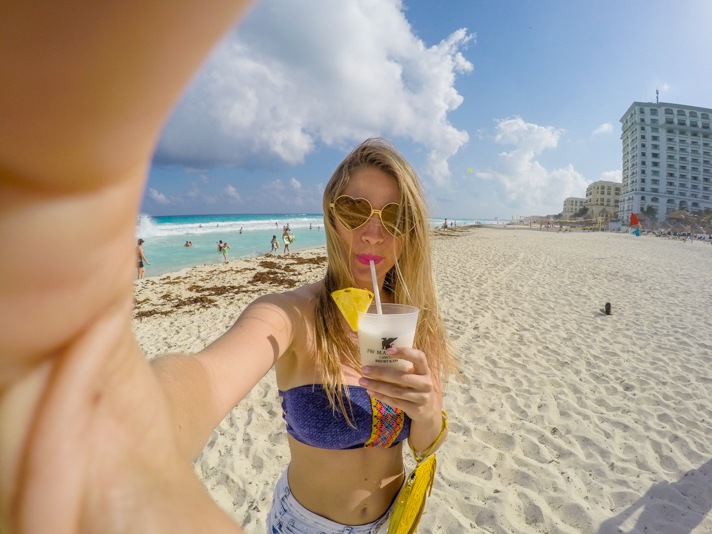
point(350, 301)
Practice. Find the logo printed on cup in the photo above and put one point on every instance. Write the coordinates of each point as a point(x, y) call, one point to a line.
point(387, 342)
point(395, 327)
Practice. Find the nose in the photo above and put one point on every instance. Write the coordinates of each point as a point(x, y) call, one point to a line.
point(373, 231)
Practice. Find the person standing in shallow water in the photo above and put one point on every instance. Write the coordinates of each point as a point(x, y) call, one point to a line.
point(141, 260)
point(286, 239)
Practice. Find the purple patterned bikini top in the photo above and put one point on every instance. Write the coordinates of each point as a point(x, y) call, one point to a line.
point(311, 420)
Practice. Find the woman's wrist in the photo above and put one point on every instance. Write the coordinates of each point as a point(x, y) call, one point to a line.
point(421, 454)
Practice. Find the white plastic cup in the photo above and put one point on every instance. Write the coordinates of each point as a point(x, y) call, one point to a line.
point(395, 327)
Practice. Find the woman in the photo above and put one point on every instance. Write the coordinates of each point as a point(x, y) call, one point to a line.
point(141, 260)
point(286, 239)
point(374, 211)
point(224, 247)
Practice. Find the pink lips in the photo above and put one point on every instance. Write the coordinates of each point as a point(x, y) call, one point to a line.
point(366, 258)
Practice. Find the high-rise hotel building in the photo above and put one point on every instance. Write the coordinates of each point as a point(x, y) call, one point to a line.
point(667, 159)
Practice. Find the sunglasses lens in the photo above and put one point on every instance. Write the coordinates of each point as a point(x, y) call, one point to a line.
point(352, 212)
point(389, 217)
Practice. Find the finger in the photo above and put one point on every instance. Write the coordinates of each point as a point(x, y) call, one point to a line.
point(411, 387)
point(415, 356)
point(380, 377)
point(385, 373)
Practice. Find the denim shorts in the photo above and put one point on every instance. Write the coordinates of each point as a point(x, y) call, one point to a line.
point(287, 516)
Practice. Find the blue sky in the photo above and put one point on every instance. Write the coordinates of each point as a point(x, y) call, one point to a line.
point(528, 95)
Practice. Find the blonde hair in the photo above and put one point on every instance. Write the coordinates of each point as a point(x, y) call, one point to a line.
point(410, 281)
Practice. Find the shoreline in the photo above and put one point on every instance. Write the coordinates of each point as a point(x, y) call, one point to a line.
point(218, 264)
point(563, 419)
point(307, 252)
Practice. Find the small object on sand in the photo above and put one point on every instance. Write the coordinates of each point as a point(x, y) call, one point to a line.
point(607, 309)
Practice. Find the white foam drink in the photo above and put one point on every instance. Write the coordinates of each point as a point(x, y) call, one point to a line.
point(395, 327)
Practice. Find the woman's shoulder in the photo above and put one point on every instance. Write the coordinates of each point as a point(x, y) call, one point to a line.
point(297, 364)
point(300, 299)
point(306, 295)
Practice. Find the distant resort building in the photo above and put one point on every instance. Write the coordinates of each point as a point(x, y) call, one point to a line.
point(667, 160)
point(571, 206)
point(602, 199)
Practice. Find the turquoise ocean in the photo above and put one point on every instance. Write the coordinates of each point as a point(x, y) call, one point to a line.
point(248, 236)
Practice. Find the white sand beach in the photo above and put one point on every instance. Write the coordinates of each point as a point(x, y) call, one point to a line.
point(564, 419)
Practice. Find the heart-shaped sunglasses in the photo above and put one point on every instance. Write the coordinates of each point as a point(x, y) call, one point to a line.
point(353, 213)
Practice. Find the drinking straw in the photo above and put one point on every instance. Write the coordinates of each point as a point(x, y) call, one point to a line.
point(376, 293)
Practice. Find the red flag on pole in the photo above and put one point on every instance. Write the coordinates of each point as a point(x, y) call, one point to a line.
point(634, 220)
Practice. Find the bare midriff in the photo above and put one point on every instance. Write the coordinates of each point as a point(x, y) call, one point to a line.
point(352, 487)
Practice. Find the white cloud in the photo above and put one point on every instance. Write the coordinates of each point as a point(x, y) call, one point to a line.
point(612, 176)
point(157, 196)
point(523, 181)
point(525, 135)
point(286, 80)
point(232, 194)
point(604, 128)
point(295, 184)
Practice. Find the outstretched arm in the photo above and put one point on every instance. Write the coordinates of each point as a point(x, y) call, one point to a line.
point(201, 389)
point(86, 438)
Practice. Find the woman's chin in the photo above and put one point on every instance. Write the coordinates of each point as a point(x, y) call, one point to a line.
point(362, 276)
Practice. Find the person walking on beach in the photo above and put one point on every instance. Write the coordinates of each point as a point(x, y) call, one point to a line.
point(88, 419)
point(141, 260)
point(275, 244)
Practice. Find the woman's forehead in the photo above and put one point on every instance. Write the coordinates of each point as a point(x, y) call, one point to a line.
point(373, 184)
